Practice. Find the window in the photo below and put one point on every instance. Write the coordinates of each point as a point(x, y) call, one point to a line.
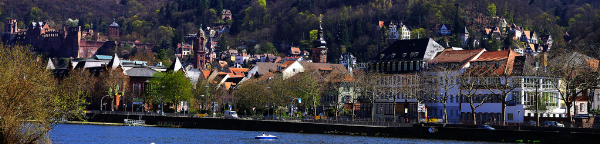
point(399, 66)
point(393, 55)
point(581, 107)
point(403, 55)
point(411, 65)
point(381, 56)
point(550, 99)
point(389, 66)
point(394, 66)
point(531, 82)
point(418, 65)
point(405, 65)
point(528, 98)
point(510, 116)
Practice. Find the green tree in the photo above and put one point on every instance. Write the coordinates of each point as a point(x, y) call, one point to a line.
point(491, 10)
point(267, 48)
point(31, 98)
point(309, 88)
point(170, 87)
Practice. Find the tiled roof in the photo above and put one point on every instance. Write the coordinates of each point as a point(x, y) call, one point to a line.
point(404, 50)
point(205, 73)
point(287, 63)
point(140, 72)
point(495, 55)
point(295, 50)
point(455, 56)
point(490, 65)
point(487, 31)
point(238, 71)
point(526, 33)
point(324, 66)
point(265, 67)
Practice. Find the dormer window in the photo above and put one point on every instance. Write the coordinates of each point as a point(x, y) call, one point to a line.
point(403, 55)
point(381, 56)
point(393, 55)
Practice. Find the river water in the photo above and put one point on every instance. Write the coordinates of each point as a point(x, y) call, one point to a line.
point(74, 133)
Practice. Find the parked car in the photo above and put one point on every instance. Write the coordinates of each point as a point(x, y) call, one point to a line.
point(487, 127)
point(553, 124)
point(230, 115)
point(596, 122)
point(532, 123)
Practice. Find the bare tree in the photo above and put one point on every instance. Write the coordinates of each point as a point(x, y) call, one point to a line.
point(576, 73)
point(505, 86)
point(470, 83)
point(444, 82)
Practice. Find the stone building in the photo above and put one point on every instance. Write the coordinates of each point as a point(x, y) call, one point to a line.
point(113, 29)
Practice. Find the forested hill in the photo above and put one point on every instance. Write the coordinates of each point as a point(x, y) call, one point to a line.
point(349, 25)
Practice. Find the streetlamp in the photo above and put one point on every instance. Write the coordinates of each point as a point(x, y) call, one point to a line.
point(268, 100)
point(207, 94)
point(201, 106)
point(101, 102)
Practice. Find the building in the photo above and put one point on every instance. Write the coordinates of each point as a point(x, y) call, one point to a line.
point(464, 37)
point(398, 64)
point(444, 29)
point(448, 65)
point(113, 29)
point(226, 15)
point(200, 51)
point(183, 50)
point(319, 50)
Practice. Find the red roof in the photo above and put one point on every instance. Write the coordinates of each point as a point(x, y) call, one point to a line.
point(455, 56)
point(495, 55)
point(295, 50)
point(205, 73)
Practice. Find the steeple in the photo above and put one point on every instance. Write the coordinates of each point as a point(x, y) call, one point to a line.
point(320, 42)
point(319, 50)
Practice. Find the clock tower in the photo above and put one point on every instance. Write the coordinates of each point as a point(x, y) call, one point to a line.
point(319, 51)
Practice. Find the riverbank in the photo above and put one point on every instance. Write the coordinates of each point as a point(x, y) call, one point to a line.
point(411, 131)
point(102, 123)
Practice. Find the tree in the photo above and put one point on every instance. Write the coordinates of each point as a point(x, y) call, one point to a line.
point(444, 83)
point(30, 97)
point(111, 81)
point(171, 87)
point(251, 94)
point(575, 75)
point(508, 82)
point(309, 88)
point(469, 85)
point(491, 10)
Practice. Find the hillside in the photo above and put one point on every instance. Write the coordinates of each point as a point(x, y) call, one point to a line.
point(349, 25)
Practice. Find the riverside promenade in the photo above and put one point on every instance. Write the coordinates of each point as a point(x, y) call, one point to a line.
point(405, 130)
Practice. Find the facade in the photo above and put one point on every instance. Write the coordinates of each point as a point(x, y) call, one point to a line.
point(448, 65)
point(399, 64)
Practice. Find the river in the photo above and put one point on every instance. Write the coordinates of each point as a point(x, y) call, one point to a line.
point(75, 133)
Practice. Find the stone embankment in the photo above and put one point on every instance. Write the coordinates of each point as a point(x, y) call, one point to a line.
point(453, 132)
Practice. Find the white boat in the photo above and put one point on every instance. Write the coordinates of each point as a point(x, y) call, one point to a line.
point(266, 137)
point(132, 122)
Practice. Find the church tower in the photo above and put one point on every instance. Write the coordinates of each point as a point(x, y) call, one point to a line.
point(200, 50)
point(319, 51)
